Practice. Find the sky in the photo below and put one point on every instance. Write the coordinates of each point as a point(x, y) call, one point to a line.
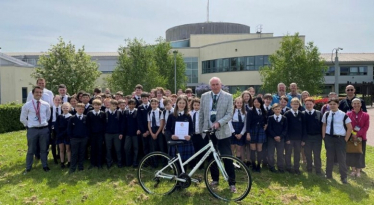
point(102, 26)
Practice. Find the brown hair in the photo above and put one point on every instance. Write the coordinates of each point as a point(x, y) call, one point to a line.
point(80, 105)
point(309, 99)
point(195, 100)
point(182, 97)
point(113, 102)
point(96, 102)
point(242, 109)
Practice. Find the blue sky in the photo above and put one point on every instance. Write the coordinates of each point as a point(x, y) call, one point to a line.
point(102, 26)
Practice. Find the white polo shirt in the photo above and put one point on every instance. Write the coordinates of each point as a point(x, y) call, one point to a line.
point(338, 122)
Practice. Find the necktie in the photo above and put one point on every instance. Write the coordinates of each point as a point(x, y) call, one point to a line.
point(310, 113)
point(38, 111)
point(80, 117)
point(169, 112)
point(62, 99)
point(259, 112)
point(267, 109)
point(240, 116)
point(332, 124)
point(277, 119)
point(146, 107)
point(214, 106)
point(194, 122)
point(295, 114)
point(153, 119)
point(57, 113)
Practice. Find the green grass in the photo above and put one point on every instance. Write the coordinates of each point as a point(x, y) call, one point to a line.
point(119, 186)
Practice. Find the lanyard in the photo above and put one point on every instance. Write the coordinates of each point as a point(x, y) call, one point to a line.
point(356, 116)
point(37, 109)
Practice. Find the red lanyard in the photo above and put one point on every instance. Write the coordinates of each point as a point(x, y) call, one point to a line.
point(37, 109)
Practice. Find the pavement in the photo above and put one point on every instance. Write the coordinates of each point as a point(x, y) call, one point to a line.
point(370, 133)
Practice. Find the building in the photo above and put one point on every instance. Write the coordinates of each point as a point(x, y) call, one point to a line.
point(229, 51)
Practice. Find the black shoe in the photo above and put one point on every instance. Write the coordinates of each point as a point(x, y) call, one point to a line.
point(281, 171)
point(344, 181)
point(27, 171)
point(68, 165)
point(290, 171)
point(56, 161)
point(46, 169)
point(328, 177)
point(273, 170)
point(62, 165)
point(248, 163)
point(254, 167)
point(258, 169)
point(297, 172)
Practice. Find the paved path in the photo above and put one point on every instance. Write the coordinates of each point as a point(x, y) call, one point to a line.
point(370, 133)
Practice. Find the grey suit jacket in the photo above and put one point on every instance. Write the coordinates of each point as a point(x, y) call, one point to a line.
point(223, 116)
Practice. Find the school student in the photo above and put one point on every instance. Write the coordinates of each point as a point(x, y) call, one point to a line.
point(198, 141)
point(256, 126)
point(247, 100)
point(181, 114)
point(131, 134)
point(267, 98)
point(283, 103)
point(142, 118)
point(159, 93)
point(96, 123)
point(336, 136)
point(156, 124)
point(167, 112)
point(238, 127)
point(296, 136)
point(73, 102)
point(62, 139)
point(122, 106)
point(55, 112)
point(137, 96)
point(277, 132)
point(113, 134)
point(313, 142)
point(85, 101)
point(78, 134)
point(246, 150)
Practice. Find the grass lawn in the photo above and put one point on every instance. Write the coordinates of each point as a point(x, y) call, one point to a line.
point(119, 186)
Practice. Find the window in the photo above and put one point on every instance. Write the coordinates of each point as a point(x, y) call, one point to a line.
point(330, 71)
point(353, 71)
point(363, 70)
point(233, 64)
point(226, 65)
point(24, 94)
point(344, 70)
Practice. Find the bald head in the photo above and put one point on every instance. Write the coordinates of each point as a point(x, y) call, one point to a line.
point(215, 84)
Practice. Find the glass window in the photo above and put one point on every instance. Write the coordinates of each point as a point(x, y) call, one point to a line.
point(266, 60)
point(225, 64)
point(251, 60)
point(241, 63)
point(250, 67)
point(363, 70)
point(24, 94)
point(259, 61)
point(194, 66)
point(353, 70)
point(233, 64)
point(330, 71)
point(344, 70)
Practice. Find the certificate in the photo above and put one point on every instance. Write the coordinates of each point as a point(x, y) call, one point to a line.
point(181, 129)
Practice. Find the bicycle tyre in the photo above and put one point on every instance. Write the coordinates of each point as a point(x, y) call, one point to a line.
point(147, 170)
point(222, 190)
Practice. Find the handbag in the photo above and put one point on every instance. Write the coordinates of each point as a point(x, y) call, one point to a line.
point(354, 147)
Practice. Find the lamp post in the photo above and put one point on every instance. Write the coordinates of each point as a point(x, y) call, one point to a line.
point(175, 52)
point(337, 70)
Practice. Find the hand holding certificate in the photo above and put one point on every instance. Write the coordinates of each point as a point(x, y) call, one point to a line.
point(181, 129)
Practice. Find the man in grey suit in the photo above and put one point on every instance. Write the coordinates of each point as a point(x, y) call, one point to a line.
point(216, 110)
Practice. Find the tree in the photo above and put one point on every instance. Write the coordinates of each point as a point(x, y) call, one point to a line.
point(294, 62)
point(149, 65)
point(62, 64)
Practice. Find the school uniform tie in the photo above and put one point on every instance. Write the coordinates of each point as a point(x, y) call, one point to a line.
point(267, 109)
point(240, 116)
point(259, 112)
point(38, 112)
point(153, 119)
point(310, 113)
point(332, 125)
point(295, 114)
point(57, 112)
point(194, 122)
point(277, 119)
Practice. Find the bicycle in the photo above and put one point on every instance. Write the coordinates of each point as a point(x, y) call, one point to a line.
point(164, 181)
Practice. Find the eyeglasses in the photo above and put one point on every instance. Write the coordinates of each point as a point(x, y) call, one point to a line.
point(350, 90)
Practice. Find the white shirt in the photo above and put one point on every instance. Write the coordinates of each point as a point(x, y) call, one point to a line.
point(211, 99)
point(47, 96)
point(267, 108)
point(86, 106)
point(167, 113)
point(161, 105)
point(293, 112)
point(64, 98)
point(28, 114)
point(67, 115)
point(80, 117)
point(279, 117)
point(157, 116)
point(148, 104)
point(235, 118)
point(307, 112)
point(95, 113)
point(338, 123)
point(197, 131)
point(54, 116)
point(259, 112)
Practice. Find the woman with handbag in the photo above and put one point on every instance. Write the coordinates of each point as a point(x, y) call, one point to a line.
point(360, 125)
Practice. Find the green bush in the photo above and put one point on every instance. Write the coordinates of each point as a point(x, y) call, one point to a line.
point(9, 117)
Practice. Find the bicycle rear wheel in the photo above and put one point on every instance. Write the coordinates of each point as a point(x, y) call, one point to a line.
point(242, 180)
point(147, 170)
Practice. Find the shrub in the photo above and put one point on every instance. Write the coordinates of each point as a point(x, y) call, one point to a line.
point(9, 117)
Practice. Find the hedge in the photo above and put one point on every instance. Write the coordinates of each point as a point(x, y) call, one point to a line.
point(9, 118)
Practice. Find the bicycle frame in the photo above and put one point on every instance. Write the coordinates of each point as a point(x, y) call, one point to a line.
point(210, 148)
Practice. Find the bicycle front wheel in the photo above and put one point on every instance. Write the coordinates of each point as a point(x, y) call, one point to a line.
point(239, 176)
point(149, 166)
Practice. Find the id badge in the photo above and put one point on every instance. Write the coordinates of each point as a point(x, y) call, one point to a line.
point(213, 112)
point(357, 128)
point(36, 118)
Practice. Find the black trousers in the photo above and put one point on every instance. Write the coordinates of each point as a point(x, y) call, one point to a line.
point(272, 145)
point(131, 144)
point(198, 143)
point(97, 140)
point(312, 151)
point(336, 145)
point(158, 143)
point(223, 146)
point(295, 145)
point(110, 140)
point(78, 149)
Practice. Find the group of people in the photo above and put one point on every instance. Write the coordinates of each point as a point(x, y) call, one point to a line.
point(252, 128)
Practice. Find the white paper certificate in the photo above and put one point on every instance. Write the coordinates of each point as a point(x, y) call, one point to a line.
point(181, 129)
